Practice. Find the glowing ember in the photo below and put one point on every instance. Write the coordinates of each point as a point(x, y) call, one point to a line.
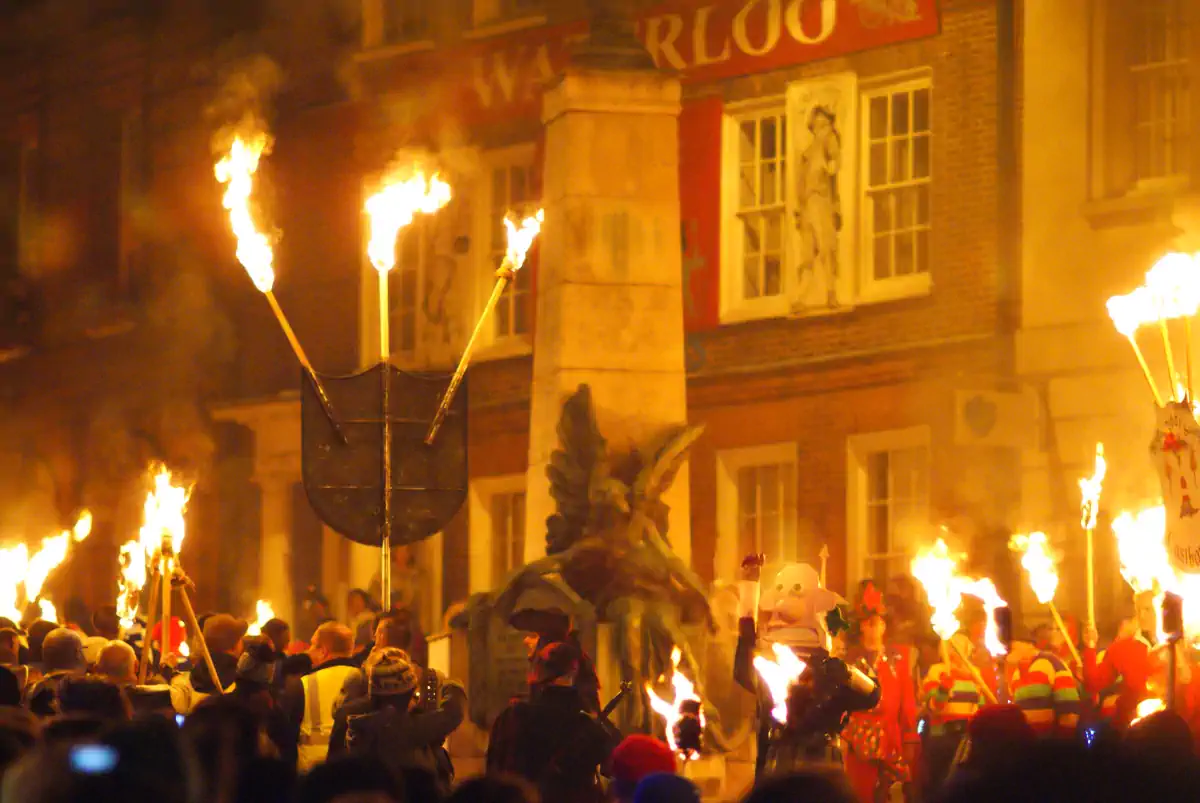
point(47, 611)
point(779, 675)
point(263, 613)
point(237, 170)
point(1038, 562)
point(520, 238)
point(83, 526)
point(936, 569)
point(132, 562)
point(393, 208)
point(1147, 707)
point(1089, 489)
point(684, 690)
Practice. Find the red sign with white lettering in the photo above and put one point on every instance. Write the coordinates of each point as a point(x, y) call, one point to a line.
point(502, 77)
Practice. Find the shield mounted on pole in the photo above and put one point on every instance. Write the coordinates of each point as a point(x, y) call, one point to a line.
point(345, 481)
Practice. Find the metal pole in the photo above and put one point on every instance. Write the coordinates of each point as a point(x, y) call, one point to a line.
point(385, 535)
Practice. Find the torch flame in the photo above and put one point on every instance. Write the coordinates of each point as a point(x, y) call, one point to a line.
point(936, 569)
point(1147, 707)
point(1038, 561)
point(237, 170)
point(46, 611)
point(1174, 285)
point(13, 563)
point(132, 562)
point(1142, 551)
point(393, 208)
point(83, 526)
point(1090, 488)
point(162, 515)
point(684, 690)
point(779, 675)
point(263, 613)
point(520, 237)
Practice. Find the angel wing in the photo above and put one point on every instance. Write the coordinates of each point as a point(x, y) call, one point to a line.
point(658, 474)
point(580, 457)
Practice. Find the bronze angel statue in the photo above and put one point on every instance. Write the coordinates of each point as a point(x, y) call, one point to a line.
point(609, 541)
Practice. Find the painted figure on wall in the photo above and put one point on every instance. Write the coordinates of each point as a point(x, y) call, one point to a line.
point(818, 211)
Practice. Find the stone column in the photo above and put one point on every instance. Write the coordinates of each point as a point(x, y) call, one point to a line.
point(609, 298)
point(275, 551)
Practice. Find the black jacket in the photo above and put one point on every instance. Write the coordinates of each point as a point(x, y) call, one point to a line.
point(552, 742)
point(402, 739)
point(226, 666)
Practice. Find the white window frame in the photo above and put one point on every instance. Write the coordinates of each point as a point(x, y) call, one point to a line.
point(729, 463)
point(479, 559)
point(734, 307)
point(483, 270)
point(859, 448)
point(871, 289)
point(1175, 62)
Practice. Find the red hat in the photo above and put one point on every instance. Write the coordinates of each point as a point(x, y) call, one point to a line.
point(870, 601)
point(178, 633)
point(554, 661)
point(636, 757)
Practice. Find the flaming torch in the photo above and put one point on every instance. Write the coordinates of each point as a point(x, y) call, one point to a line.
point(50, 555)
point(132, 563)
point(684, 717)
point(936, 568)
point(1089, 507)
point(520, 240)
point(236, 169)
point(1039, 564)
point(1128, 313)
point(390, 210)
point(779, 675)
point(263, 613)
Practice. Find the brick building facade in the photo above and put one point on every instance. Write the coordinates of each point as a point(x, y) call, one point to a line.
point(848, 175)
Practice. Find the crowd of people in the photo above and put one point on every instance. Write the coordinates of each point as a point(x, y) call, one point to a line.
point(354, 715)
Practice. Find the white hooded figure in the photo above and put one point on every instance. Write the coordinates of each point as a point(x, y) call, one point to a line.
point(792, 610)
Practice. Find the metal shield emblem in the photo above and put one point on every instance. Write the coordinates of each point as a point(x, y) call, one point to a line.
point(344, 481)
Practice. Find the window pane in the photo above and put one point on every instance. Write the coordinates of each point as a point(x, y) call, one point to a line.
point(920, 157)
point(521, 314)
point(882, 257)
point(768, 134)
point(882, 207)
point(904, 254)
point(747, 198)
point(877, 477)
point(746, 148)
point(879, 108)
point(923, 204)
point(751, 286)
point(519, 191)
point(878, 164)
point(768, 183)
point(921, 110)
point(906, 208)
point(751, 242)
point(772, 276)
point(503, 318)
point(774, 226)
point(899, 168)
point(878, 529)
point(900, 113)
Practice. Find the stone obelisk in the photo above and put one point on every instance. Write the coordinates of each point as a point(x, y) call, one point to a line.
point(609, 294)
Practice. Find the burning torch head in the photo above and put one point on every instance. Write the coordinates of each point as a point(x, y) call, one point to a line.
point(794, 609)
point(689, 729)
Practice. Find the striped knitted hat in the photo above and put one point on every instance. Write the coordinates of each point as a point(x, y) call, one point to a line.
point(390, 673)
